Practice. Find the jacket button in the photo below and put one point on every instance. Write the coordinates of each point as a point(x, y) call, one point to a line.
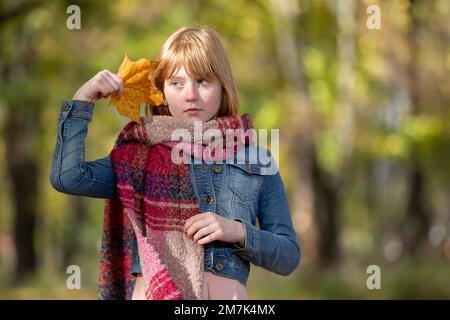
point(66, 107)
point(219, 267)
point(209, 199)
point(217, 169)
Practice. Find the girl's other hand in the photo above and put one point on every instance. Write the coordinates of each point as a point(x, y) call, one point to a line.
point(209, 226)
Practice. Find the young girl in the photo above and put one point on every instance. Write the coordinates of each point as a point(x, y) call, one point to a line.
point(179, 230)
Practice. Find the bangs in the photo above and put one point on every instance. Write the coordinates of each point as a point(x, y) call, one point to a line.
point(197, 63)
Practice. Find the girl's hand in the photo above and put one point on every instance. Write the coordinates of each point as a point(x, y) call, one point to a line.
point(209, 226)
point(99, 86)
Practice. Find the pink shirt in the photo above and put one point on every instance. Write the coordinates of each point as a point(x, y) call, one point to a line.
point(214, 288)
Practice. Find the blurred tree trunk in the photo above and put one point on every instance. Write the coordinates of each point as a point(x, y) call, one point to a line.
point(346, 47)
point(317, 187)
point(21, 134)
point(73, 235)
point(23, 169)
point(417, 221)
point(326, 205)
point(21, 131)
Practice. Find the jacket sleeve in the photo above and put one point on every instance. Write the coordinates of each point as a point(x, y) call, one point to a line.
point(274, 245)
point(70, 173)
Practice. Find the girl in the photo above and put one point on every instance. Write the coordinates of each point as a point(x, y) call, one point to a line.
point(171, 230)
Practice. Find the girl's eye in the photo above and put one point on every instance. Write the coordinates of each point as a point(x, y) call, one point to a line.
point(200, 81)
point(176, 83)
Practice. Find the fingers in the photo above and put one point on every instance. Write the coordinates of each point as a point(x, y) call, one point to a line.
point(103, 87)
point(196, 226)
point(115, 80)
point(193, 219)
point(119, 81)
point(206, 234)
point(108, 83)
point(103, 90)
point(211, 237)
point(206, 227)
point(202, 232)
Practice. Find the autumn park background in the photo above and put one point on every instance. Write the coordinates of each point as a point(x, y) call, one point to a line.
point(364, 123)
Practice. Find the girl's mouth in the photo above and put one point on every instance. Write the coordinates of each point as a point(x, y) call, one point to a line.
point(192, 111)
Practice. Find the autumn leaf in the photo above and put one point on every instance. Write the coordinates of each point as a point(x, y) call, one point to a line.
point(138, 88)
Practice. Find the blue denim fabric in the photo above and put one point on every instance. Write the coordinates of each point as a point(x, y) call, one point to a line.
point(249, 190)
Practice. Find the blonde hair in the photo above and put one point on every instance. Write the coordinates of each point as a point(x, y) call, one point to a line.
point(201, 52)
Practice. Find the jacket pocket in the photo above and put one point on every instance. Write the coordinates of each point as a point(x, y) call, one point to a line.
point(245, 182)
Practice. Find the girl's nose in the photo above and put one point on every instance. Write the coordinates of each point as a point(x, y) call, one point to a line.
point(192, 93)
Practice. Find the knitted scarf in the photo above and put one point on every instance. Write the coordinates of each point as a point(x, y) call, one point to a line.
point(155, 198)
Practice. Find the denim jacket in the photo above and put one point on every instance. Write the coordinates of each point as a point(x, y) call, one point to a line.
point(245, 190)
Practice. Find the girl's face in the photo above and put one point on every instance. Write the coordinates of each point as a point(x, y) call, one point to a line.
point(192, 99)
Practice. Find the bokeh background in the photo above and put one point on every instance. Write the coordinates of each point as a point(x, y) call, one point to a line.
point(364, 122)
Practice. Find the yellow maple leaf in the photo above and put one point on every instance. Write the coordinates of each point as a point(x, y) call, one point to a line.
point(138, 88)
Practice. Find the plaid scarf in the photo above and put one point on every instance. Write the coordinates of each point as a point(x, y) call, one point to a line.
point(155, 198)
